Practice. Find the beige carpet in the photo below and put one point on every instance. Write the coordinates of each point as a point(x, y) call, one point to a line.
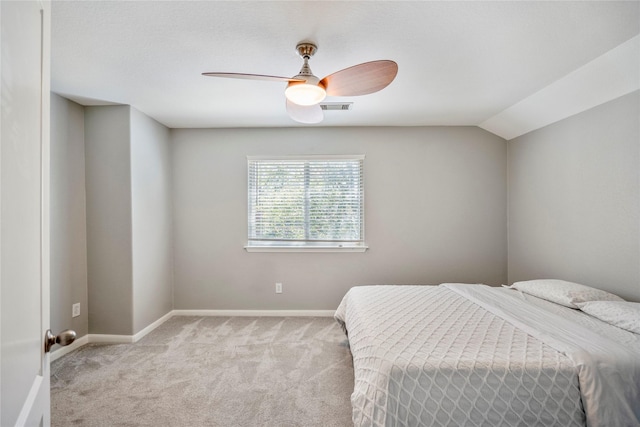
point(210, 371)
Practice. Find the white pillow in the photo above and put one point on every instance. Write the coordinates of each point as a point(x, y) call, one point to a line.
point(623, 314)
point(562, 292)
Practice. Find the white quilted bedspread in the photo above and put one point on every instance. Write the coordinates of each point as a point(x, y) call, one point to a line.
point(426, 356)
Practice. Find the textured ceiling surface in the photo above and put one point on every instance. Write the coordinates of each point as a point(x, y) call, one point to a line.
point(460, 63)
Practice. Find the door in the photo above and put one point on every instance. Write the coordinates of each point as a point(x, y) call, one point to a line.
point(24, 212)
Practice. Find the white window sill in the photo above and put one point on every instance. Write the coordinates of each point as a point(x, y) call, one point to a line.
point(264, 248)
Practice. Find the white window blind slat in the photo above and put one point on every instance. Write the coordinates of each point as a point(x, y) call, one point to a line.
point(307, 200)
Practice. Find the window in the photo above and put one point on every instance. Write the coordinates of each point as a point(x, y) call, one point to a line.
point(313, 203)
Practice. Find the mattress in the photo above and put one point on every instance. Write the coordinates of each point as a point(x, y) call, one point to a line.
point(429, 356)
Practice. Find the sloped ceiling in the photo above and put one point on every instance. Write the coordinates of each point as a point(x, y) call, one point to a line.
point(460, 63)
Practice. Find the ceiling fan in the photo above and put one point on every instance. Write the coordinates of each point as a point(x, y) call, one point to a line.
point(305, 91)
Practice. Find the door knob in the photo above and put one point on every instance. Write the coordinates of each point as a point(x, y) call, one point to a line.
point(63, 338)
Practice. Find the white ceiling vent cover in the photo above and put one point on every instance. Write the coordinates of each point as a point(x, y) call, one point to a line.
point(336, 106)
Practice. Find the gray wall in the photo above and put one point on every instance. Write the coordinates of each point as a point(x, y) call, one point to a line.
point(128, 175)
point(574, 200)
point(435, 199)
point(109, 253)
point(435, 211)
point(151, 220)
point(68, 217)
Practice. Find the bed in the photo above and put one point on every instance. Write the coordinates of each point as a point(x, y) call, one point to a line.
point(473, 355)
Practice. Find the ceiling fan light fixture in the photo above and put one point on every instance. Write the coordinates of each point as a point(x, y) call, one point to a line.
point(305, 93)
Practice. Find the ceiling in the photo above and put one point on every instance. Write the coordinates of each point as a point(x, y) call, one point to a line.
point(460, 63)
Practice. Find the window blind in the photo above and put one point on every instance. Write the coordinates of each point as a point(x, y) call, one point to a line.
point(299, 201)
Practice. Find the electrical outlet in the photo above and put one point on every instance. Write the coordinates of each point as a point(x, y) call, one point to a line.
point(75, 310)
point(278, 288)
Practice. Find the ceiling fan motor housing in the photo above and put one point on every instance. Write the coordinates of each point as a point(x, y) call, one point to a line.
point(311, 91)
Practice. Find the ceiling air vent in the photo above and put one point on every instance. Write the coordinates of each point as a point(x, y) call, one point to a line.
point(336, 106)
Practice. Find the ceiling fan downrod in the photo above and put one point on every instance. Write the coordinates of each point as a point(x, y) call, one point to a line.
point(306, 51)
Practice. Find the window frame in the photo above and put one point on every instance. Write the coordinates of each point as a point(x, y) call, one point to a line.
point(306, 246)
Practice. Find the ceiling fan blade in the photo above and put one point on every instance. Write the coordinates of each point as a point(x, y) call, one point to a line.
point(308, 114)
point(253, 77)
point(361, 79)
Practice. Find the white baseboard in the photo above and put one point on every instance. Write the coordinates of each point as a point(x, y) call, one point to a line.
point(255, 313)
point(79, 342)
point(129, 339)
point(137, 337)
